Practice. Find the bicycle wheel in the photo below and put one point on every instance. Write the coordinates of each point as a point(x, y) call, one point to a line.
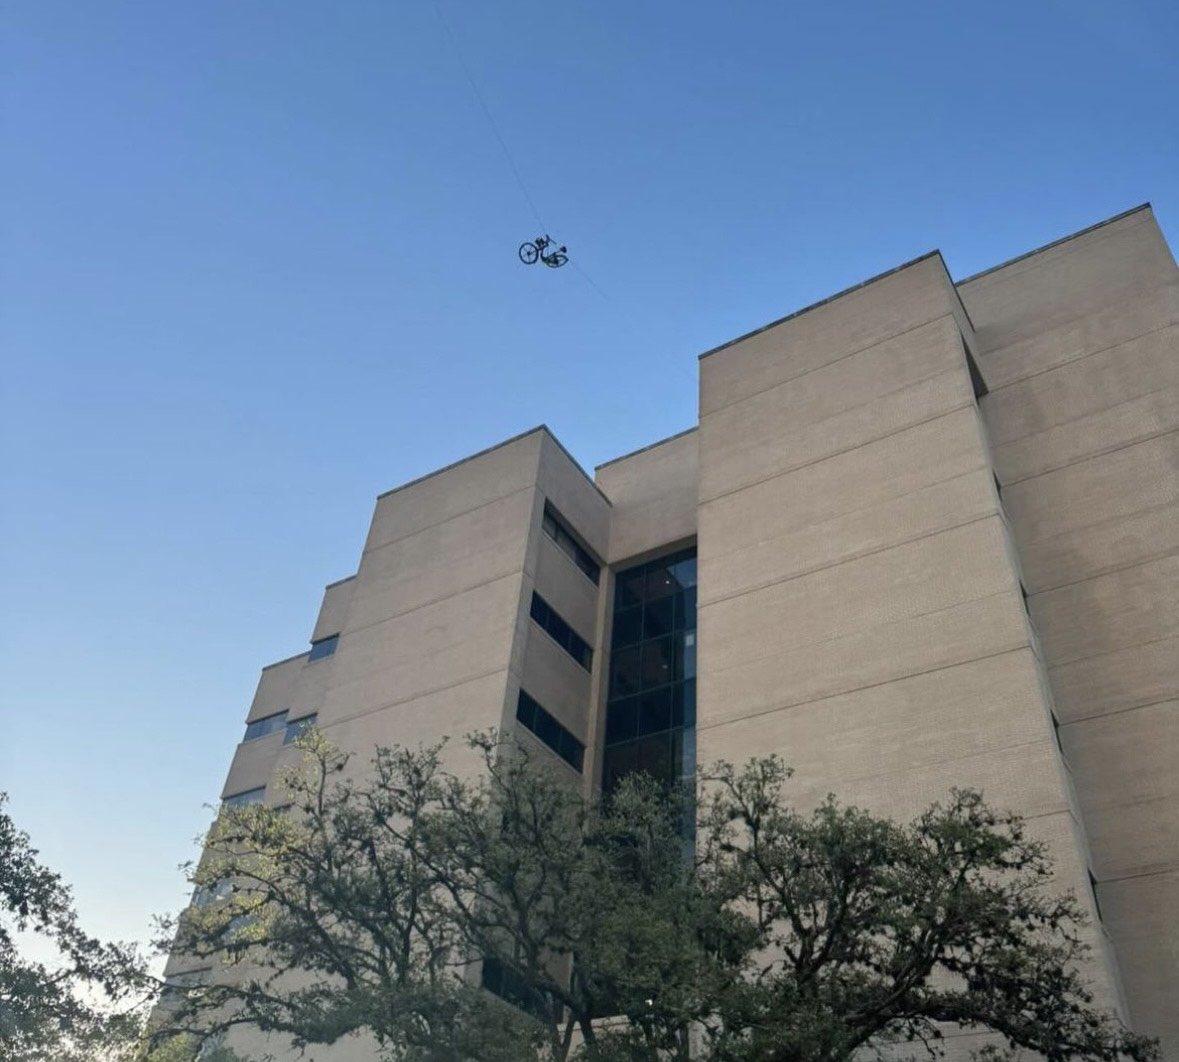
point(529, 253)
point(556, 260)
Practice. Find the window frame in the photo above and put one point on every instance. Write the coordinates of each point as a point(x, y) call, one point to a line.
point(303, 722)
point(322, 648)
point(266, 732)
point(570, 543)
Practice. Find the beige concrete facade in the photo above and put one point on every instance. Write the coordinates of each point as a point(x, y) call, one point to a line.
point(937, 535)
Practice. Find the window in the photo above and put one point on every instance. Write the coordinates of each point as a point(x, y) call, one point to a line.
point(177, 985)
point(324, 647)
point(259, 728)
point(296, 728)
point(555, 528)
point(552, 733)
point(246, 796)
point(506, 982)
point(651, 706)
point(218, 890)
point(560, 631)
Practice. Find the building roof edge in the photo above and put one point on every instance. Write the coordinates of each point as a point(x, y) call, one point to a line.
point(1054, 243)
point(823, 302)
point(649, 446)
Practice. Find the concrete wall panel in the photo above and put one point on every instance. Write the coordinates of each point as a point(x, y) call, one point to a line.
point(1137, 315)
point(333, 612)
point(253, 762)
point(1120, 542)
point(442, 495)
point(276, 687)
point(554, 679)
point(873, 529)
point(872, 656)
point(1113, 682)
point(743, 458)
point(466, 551)
point(566, 587)
point(1142, 913)
point(1071, 279)
point(1110, 430)
point(1133, 606)
point(654, 496)
point(833, 602)
point(847, 483)
point(1129, 480)
point(887, 306)
point(577, 498)
point(1106, 378)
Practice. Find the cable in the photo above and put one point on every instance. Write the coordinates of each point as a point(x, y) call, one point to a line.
point(502, 142)
point(487, 111)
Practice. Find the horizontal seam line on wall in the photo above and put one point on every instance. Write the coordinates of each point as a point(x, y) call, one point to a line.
point(440, 523)
point(840, 637)
point(1140, 874)
point(836, 453)
point(1099, 525)
point(982, 466)
point(859, 689)
point(793, 380)
point(1017, 348)
point(834, 361)
point(1093, 656)
point(910, 768)
point(1141, 562)
point(1088, 230)
point(1072, 423)
point(349, 631)
point(1073, 361)
point(1122, 805)
point(1121, 711)
point(1111, 652)
point(849, 559)
point(1092, 457)
point(416, 697)
point(1090, 454)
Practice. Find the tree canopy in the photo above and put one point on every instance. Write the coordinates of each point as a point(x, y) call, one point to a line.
point(84, 1001)
point(507, 918)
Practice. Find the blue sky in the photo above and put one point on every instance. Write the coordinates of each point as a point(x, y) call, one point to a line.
point(260, 265)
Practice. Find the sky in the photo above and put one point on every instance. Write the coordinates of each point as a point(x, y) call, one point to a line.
point(259, 265)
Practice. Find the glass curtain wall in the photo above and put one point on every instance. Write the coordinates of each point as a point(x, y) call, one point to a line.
point(651, 703)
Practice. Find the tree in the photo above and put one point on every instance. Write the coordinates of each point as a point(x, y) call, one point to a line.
point(384, 905)
point(86, 1004)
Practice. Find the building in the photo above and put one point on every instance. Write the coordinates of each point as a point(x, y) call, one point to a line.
point(926, 534)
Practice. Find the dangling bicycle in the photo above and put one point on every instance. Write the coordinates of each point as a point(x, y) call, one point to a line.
point(534, 251)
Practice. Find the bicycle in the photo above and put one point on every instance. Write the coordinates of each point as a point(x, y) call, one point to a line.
point(534, 251)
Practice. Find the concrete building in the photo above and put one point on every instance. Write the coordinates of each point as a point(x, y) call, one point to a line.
point(926, 534)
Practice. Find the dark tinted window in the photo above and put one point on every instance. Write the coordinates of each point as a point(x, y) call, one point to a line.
point(296, 728)
point(261, 727)
point(507, 983)
point(554, 526)
point(651, 706)
point(246, 796)
point(324, 647)
point(545, 726)
point(560, 631)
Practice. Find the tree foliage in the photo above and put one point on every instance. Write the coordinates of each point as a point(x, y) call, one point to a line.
point(371, 906)
point(83, 1003)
